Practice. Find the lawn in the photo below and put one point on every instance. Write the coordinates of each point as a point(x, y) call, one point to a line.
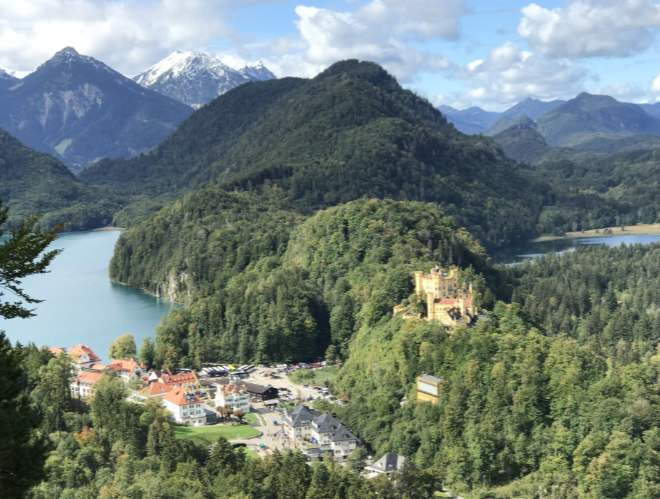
point(211, 433)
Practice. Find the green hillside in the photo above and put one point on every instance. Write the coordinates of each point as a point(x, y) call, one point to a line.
point(350, 132)
point(267, 285)
point(36, 183)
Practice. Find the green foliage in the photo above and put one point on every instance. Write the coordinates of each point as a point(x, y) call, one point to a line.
point(22, 450)
point(123, 347)
point(22, 254)
point(263, 285)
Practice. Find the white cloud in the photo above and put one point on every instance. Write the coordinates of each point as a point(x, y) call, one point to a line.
point(129, 35)
point(591, 28)
point(383, 31)
point(511, 74)
point(655, 85)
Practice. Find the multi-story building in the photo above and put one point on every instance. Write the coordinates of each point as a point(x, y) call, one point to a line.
point(317, 434)
point(186, 407)
point(428, 388)
point(232, 396)
point(446, 300)
point(83, 385)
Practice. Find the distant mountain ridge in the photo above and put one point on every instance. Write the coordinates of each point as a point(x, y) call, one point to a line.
point(78, 109)
point(195, 78)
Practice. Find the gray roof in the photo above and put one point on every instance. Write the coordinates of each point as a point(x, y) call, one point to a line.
point(301, 415)
point(428, 377)
point(391, 461)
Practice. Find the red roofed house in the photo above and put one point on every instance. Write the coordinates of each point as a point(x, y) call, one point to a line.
point(186, 407)
point(183, 380)
point(155, 389)
point(82, 355)
point(83, 385)
point(127, 368)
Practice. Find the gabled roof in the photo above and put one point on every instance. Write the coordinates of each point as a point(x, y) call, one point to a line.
point(155, 389)
point(342, 433)
point(88, 377)
point(81, 350)
point(124, 365)
point(56, 350)
point(391, 461)
point(182, 397)
point(301, 413)
point(326, 423)
point(232, 388)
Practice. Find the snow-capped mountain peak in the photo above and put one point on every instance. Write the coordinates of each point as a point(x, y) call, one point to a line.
point(196, 78)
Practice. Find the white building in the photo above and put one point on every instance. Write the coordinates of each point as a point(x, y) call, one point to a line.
point(234, 397)
point(83, 384)
point(315, 434)
point(186, 407)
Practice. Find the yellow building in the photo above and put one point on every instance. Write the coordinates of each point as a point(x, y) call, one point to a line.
point(428, 388)
point(446, 300)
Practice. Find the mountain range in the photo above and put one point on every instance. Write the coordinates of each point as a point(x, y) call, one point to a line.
point(195, 78)
point(80, 110)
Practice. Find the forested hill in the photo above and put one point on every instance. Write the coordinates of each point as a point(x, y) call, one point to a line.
point(348, 133)
point(32, 182)
point(267, 285)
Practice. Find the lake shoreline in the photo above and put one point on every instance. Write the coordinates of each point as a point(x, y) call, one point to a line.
point(632, 230)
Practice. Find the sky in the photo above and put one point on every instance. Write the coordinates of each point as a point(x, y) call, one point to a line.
point(462, 53)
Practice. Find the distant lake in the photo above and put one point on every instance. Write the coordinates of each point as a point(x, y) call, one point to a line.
point(535, 249)
point(81, 304)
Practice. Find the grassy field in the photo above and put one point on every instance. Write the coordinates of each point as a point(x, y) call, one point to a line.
point(318, 377)
point(211, 433)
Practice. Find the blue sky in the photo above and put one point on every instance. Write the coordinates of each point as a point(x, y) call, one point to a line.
point(456, 52)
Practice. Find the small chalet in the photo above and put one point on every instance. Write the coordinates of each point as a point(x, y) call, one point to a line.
point(83, 385)
point(186, 407)
point(389, 463)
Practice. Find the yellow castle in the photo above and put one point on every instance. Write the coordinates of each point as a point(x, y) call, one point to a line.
point(446, 300)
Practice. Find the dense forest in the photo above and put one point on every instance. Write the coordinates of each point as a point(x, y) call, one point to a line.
point(287, 218)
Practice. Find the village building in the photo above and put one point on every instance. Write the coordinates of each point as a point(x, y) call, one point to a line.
point(317, 434)
point(83, 384)
point(232, 396)
point(126, 368)
point(428, 388)
point(186, 380)
point(186, 407)
point(155, 389)
point(83, 356)
point(257, 393)
point(387, 464)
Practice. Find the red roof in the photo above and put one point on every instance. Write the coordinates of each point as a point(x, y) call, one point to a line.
point(155, 389)
point(124, 365)
point(89, 377)
point(179, 379)
point(80, 350)
point(182, 397)
point(56, 351)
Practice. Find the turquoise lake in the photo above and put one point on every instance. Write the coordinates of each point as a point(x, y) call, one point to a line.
point(80, 304)
point(535, 249)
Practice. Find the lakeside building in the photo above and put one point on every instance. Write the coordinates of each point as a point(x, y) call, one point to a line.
point(83, 356)
point(83, 384)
